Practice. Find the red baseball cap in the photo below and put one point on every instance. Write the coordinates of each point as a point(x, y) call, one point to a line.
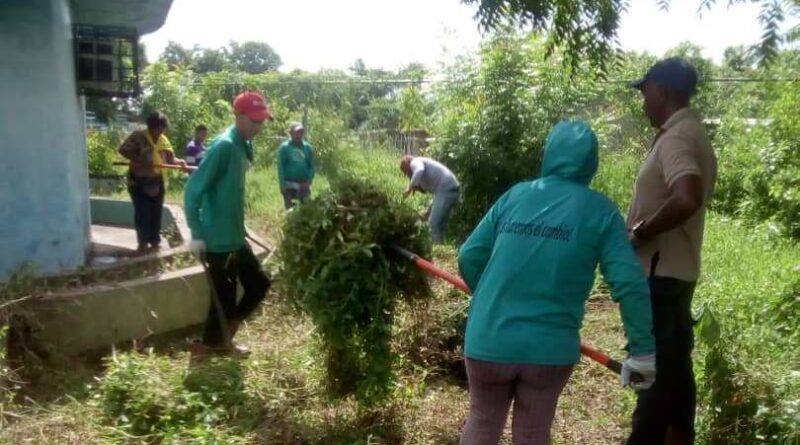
point(252, 105)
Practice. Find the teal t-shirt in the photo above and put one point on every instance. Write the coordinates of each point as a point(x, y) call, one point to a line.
point(295, 163)
point(214, 196)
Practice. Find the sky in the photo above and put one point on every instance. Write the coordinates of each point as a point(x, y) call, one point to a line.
point(314, 34)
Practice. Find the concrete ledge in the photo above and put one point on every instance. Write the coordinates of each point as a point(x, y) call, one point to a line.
point(98, 317)
point(95, 317)
point(117, 212)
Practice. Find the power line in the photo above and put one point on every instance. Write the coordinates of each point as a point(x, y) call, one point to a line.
point(730, 80)
point(446, 81)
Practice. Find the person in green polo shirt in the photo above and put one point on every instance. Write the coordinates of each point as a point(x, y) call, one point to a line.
point(531, 265)
point(214, 205)
point(295, 167)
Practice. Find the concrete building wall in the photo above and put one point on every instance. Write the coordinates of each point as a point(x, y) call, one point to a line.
point(44, 186)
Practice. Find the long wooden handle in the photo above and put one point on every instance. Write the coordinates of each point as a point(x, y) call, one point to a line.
point(168, 166)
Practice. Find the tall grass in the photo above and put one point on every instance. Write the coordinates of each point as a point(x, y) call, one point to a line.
point(750, 372)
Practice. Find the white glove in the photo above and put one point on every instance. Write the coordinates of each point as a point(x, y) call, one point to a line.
point(198, 248)
point(645, 365)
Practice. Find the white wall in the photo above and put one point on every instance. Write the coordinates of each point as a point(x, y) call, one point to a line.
point(44, 185)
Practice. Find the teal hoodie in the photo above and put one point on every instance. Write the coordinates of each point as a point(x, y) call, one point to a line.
point(214, 196)
point(531, 262)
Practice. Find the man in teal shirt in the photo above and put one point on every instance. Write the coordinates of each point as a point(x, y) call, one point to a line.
point(531, 264)
point(214, 205)
point(295, 167)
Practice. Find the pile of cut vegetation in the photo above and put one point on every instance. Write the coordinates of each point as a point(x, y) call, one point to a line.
point(338, 268)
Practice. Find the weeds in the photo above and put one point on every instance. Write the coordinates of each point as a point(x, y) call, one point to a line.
point(339, 270)
point(148, 396)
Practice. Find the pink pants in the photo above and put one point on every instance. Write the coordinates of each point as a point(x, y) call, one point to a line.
point(534, 390)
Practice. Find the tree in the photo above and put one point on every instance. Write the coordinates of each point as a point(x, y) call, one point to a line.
point(359, 68)
point(587, 29)
point(176, 55)
point(211, 60)
point(413, 111)
point(254, 57)
point(492, 119)
point(250, 57)
point(738, 59)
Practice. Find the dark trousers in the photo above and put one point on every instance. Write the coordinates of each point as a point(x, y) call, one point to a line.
point(290, 195)
point(147, 195)
point(670, 403)
point(226, 269)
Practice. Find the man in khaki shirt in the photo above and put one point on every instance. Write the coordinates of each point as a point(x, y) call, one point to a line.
point(666, 222)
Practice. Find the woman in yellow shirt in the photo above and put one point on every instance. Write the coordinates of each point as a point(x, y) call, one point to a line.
point(146, 149)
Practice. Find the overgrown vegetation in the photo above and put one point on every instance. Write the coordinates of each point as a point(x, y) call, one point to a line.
point(749, 375)
point(102, 149)
point(13, 292)
point(338, 268)
point(147, 396)
point(489, 119)
point(493, 119)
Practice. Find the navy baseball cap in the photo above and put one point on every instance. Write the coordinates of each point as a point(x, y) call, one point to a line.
point(674, 73)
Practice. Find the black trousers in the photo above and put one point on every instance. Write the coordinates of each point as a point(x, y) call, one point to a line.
point(670, 403)
point(226, 270)
point(147, 195)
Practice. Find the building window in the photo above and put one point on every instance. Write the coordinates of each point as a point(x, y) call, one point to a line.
point(107, 60)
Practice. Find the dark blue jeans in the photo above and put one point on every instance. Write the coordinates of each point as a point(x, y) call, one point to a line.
point(147, 195)
point(670, 403)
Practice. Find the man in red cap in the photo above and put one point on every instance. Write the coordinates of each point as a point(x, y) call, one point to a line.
point(214, 205)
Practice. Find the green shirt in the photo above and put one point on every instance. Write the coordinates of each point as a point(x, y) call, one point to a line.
point(295, 163)
point(214, 197)
point(531, 262)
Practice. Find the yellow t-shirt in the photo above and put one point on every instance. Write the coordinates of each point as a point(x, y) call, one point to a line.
point(681, 148)
point(161, 145)
point(143, 153)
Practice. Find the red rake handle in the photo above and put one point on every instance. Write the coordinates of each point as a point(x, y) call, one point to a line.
point(432, 269)
point(603, 359)
point(167, 166)
point(459, 283)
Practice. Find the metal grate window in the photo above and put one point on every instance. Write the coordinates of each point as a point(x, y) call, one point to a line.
point(107, 60)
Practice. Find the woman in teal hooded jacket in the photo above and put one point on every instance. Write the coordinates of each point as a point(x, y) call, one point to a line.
point(531, 264)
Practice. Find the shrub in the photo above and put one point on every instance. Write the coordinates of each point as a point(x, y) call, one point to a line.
point(759, 163)
point(337, 267)
point(493, 120)
point(102, 150)
point(743, 405)
point(782, 162)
